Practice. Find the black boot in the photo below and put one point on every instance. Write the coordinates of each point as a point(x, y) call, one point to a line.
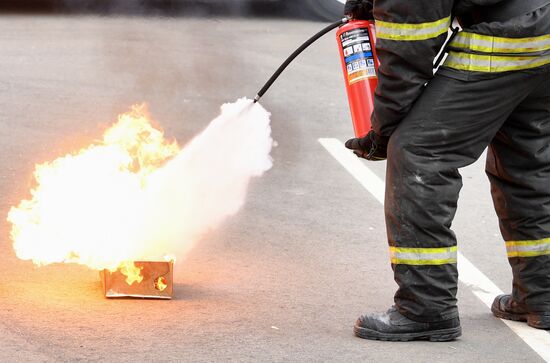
point(393, 326)
point(505, 307)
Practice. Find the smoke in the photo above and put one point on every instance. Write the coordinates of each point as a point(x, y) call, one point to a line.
point(135, 196)
point(208, 180)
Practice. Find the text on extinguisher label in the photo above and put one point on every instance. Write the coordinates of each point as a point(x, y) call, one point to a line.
point(358, 56)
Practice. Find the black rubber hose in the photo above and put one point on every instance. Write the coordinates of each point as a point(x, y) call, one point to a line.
point(295, 54)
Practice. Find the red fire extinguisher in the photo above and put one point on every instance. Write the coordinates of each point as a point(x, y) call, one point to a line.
point(356, 41)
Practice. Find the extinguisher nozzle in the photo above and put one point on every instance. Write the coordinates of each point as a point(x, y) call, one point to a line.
point(257, 98)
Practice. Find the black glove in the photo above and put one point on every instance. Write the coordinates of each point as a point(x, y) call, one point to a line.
point(359, 9)
point(370, 147)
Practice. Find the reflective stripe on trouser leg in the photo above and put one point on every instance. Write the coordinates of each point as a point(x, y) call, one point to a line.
point(529, 248)
point(448, 128)
point(518, 166)
point(422, 256)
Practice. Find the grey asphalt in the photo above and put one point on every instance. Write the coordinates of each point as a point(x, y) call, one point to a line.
point(285, 279)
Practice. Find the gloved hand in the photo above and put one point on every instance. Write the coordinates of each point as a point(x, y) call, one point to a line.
point(359, 9)
point(370, 147)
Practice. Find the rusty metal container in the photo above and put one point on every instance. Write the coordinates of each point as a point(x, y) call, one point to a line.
point(157, 283)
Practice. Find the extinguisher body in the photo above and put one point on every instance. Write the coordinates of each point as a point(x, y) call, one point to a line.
point(356, 42)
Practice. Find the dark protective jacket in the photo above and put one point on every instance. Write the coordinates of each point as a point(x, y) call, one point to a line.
point(411, 33)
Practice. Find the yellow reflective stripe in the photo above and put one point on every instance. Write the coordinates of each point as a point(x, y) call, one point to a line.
point(528, 248)
point(528, 242)
point(491, 44)
point(423, 250)
point(407, 31)
point(423, 256)
point(492, 63)
point(399, 261)
point(529, 253)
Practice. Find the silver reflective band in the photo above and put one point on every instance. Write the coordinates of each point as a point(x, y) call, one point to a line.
point(423, 256)
point(531, 248)
point(411, 31)
point(492, 63)
point(490, 44)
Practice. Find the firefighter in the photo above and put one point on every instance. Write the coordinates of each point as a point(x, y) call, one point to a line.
point(492, 91)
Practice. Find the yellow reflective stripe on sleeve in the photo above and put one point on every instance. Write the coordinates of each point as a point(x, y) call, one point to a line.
point(529, 248)
point(492, 63)
point(403, 31)
point(491, 44)
point(423, 256)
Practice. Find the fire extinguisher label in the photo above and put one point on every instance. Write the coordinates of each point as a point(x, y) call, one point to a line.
point(357, 49)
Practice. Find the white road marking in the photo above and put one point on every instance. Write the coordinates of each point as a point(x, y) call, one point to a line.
point(469, 275)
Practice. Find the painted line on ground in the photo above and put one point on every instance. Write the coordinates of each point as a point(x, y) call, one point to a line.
point(469, 275)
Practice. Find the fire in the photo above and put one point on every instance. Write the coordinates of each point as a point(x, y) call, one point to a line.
point(135, 196)
point(85, 205)
point(131, 271)
point(161, 284)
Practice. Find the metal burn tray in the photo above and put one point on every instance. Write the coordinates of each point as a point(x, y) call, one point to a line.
point(157, 283)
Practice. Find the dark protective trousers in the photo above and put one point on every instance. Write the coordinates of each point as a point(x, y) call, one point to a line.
point(449, 127)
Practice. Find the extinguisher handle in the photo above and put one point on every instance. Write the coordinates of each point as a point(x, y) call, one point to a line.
point(297, 52)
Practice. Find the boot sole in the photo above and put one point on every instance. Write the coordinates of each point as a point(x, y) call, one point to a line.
point(533, 320)
point(442, 335)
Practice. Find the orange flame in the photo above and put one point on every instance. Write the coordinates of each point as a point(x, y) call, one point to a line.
point(85, 205)
point(160, 283)
point(131, 271)
point(133, 196)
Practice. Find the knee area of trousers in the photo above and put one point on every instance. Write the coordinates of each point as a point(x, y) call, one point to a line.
point(410, 147)
point(398, 146)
